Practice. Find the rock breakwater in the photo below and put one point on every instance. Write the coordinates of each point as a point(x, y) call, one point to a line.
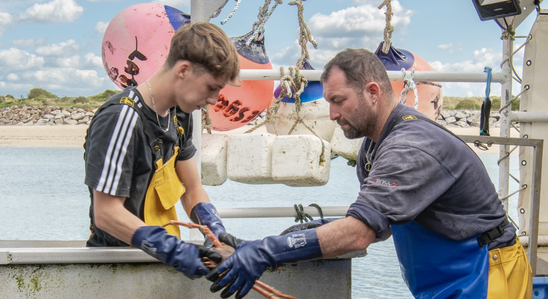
point(49, 115)
point(45, 115)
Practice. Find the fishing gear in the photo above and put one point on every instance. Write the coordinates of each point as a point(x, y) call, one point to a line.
point(486, 106)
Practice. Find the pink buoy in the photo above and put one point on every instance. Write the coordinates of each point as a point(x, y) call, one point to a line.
point(137, 40)
point(238, 106)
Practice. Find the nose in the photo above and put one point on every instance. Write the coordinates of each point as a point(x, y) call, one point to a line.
point(333, 112)
point(212, 99)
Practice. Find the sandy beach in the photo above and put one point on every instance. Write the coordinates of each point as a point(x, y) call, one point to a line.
point(73, 135)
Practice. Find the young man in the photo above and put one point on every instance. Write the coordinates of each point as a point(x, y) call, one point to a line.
point(419, 183)
point(139, 152)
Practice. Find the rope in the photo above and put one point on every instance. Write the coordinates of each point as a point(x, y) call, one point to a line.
point(517, 77)
point(206, 121)
point(301, 215)
point(408, 85)
point(295, 81)
point(286, 82)
point(218, 11)
point(263, 15)
point(388, 29)
point(300, 82)
point(317, 206)
point(526, 88)
point(305, 35)
point(232, 12)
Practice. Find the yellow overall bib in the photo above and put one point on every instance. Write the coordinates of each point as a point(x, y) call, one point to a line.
point(164, 191)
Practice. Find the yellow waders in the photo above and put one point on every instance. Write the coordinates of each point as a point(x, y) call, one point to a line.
point(510, 274)
point(164, 191)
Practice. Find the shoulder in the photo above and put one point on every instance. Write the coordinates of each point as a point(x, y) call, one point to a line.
point(416, 131)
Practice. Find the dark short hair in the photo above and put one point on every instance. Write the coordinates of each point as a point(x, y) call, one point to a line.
point(208, 46)
point(360, 66)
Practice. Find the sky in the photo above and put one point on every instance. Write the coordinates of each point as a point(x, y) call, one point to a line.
point(56, 44)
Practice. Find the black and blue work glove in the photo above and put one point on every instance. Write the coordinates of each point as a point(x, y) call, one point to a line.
point(307, 225)
point(204, 213)
point(252, 258)
point(184, 257)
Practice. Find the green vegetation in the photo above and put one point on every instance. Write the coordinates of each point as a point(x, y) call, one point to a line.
point(474, 103)
point(42, 97)
point(467, 104)
point(40, 93)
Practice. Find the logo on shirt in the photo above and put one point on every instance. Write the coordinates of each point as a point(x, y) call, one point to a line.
point(384, 182)
point(127, 101)
point(408, 117)
point(296, 240)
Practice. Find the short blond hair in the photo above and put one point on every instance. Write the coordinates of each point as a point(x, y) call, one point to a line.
point(208, 46)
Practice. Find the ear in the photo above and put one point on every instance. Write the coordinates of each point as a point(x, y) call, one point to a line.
point(373, 90)
point(183, 68)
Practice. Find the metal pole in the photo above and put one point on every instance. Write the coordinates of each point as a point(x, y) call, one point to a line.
point(506, 93)
point(535, 207)
point(314, 75)
point(197, 14)
point(200, 11)
point(331, 211)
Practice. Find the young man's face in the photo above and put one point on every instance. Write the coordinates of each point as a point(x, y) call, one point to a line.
point(199, 89)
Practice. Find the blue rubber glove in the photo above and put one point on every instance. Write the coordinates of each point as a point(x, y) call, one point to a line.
point(204, 213)
point(307, 225)
point(184, 257)
point(252, 258)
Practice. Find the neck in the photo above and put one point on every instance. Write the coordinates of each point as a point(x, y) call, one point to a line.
point(385, 109)
point(153, 96)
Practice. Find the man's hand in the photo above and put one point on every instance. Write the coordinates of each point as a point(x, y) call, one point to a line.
point(245, 266)
point(252, 258)
point(184, 257)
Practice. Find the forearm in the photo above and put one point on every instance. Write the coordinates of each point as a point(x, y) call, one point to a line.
point(111, 216)
point(189, 176)
point(343, 236)
point(192, 197)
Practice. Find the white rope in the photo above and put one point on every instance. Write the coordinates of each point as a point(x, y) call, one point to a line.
point(408, 85)
point(258, 26)
point(218, 11)
point(232, 12)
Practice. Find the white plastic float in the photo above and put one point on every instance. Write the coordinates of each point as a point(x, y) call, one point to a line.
point(298, 160)
point(214, 151)
point(344, 147)
point(265, 158)
point(249, 158)
point(315, 113)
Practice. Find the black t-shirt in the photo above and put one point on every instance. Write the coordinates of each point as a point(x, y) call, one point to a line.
point(422, 172)
point(119, 159)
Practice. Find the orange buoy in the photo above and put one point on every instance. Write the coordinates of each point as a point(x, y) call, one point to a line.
point(237, 106)
point(430, 94)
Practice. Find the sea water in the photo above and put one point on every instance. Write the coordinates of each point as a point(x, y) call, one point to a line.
point(43, 197)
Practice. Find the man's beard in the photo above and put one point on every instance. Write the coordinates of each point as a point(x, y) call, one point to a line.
point(351, 132)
